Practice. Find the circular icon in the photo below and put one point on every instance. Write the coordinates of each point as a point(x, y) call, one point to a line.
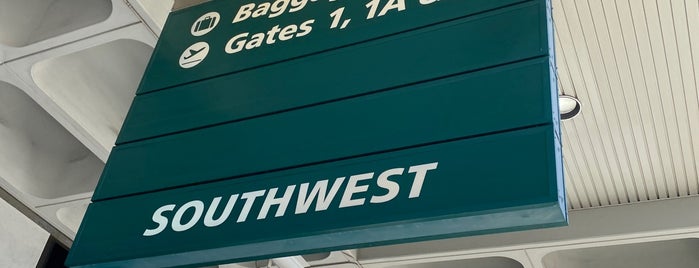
point(205, 23)
point(194, 55)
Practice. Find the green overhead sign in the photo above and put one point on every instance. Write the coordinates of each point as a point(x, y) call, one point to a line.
point(271, 128)
point(243, 35)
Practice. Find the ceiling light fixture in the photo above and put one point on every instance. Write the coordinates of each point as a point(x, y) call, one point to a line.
point(568, 106)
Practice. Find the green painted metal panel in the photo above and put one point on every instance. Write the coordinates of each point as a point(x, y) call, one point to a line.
point(476, 42)
point(488, 101)
point(506, 181)
point(164, 69)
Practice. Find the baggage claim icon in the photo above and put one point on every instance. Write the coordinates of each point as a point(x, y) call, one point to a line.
point(196, 53)
point(205, 23)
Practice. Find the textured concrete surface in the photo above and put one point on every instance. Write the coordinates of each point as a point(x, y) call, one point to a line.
point(21, 240)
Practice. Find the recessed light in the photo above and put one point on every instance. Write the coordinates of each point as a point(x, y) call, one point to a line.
point(568, 106)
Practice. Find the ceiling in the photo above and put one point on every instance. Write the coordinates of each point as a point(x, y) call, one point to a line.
point(631, 63)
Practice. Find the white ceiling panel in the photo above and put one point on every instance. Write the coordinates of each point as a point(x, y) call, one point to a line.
point(632, 65)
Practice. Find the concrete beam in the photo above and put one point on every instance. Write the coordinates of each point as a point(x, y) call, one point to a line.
point(180, 4)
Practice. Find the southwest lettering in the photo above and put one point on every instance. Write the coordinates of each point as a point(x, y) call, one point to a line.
point(271, 200)
point(177, 224)
point(209, 217)
point(352, 188)
point(420, 173)
point(355, 191)
point(160, 220)
point(319, 193)
point(249, 200)
point(391, 186)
